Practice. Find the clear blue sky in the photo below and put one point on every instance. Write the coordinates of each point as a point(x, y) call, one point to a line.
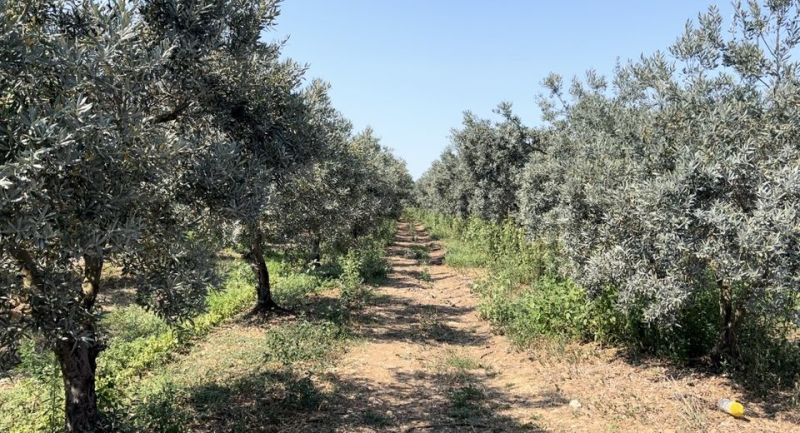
point(409, 68)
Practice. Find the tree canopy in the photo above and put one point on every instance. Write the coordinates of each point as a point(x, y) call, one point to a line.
point(674, 179)
point(149, 134)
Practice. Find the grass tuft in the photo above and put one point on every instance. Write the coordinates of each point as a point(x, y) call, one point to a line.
point(467, 402)
point(304, 341)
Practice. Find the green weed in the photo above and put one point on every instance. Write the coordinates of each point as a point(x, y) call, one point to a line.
point(462, 362)
point(419, 253)
point(131, 322)
point(304, 341)
point(466, 402)
point(290, 290)
point(372, 263)
point(353, 291)
point(425, 275)
point(461, 255)
point(300, 394)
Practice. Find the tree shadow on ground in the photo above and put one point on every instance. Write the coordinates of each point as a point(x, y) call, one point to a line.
point(292, 401)
point(397, 319)
point(394, 319)
point(770, 402)
point(296, 397)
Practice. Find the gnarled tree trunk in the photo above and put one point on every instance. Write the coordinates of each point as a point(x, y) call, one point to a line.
point(316, 251)
point(78, 360)
point(255, 256)
point(78, 366)
point(92, 270)
point(731, 318)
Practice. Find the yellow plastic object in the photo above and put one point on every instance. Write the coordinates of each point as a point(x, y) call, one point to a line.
point(732, 407)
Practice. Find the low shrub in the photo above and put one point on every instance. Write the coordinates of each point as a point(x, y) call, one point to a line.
point(351, 283)
point(526, 296)
point(304, 341)
point(290, 290)
point(372, 263)
point(425, 275)
point(131, 322)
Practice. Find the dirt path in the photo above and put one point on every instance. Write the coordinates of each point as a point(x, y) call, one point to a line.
point(429, 363)
point(424, 361)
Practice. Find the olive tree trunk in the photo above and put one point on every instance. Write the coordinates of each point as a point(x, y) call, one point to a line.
point(316, 251)
point(78, 366)
point(78, 359)
point(264, 301)
point(731, 317)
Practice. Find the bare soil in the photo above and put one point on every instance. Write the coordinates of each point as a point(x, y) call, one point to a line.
point(424, 361)
point(428, 362)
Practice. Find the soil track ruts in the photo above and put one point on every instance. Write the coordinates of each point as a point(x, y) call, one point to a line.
point(417, 334)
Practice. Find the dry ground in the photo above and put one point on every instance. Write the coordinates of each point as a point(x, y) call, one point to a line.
point(429, 363)
point(424, 361)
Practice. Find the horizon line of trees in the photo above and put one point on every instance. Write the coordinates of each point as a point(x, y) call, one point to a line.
point(149, 134)
point(676, 179)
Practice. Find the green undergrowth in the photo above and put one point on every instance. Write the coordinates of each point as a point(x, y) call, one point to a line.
point(135, 393)
point(525, 296)
point(248, 377)
point(136, 340)
point(419, 253)
point(243, 380)
point(461, 255)
point(305, 341)
point(370, 254)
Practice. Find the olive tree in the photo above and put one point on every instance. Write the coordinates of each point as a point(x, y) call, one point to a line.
point(380, 187)
point(682, 178)
point(261, 140)
point(89, 174)
point(478, 174)
point(262, 121)
point(444, 187)
point(309, 205)
point(346, 193)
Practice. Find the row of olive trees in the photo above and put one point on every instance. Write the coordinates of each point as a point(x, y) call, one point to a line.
point(477, 174)
point(149, 134)
point(678, 178)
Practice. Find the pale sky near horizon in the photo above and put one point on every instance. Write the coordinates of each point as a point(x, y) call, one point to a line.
point(410, 68)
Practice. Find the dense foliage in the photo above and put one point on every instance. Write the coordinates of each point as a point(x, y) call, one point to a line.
point(478, 174)
point(672, 183)
point(148, 135)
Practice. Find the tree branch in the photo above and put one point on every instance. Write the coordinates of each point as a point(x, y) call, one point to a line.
point(172, 115)
point(29, 269)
